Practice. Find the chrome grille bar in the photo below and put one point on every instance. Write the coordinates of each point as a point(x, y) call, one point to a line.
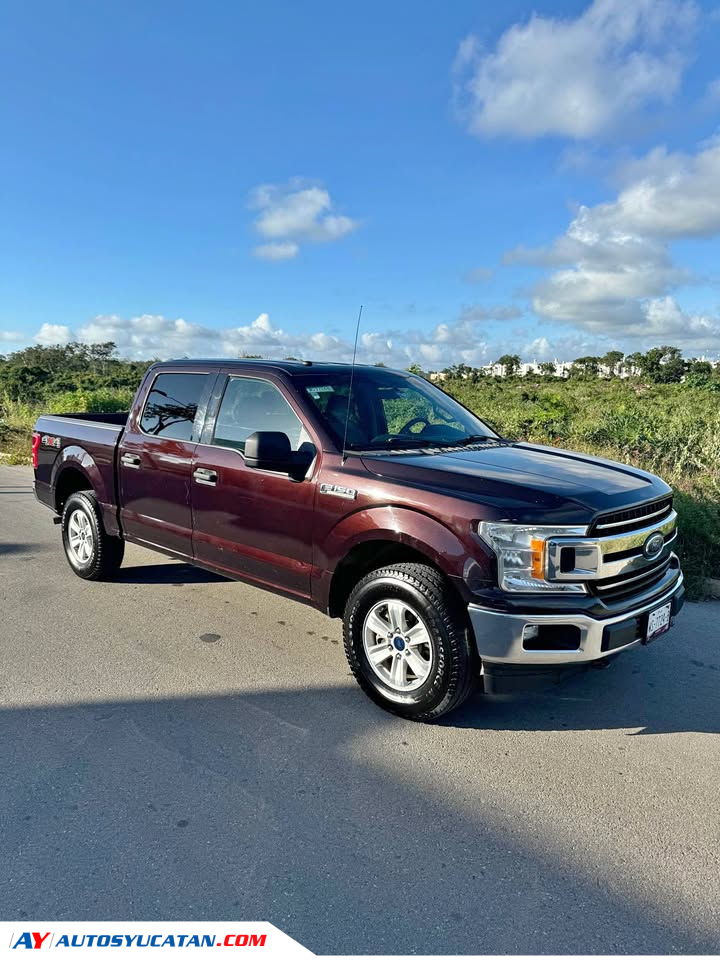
point(624, 523)
point(602, 558)
point(645, 575)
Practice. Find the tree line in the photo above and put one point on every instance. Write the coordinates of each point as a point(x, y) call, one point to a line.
point(37, 372)
point(663, 364)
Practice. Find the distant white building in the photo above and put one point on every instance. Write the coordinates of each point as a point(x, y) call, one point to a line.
point(561, 369)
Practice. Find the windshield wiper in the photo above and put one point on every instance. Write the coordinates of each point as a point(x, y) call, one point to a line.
point(406, 442)
point(473, 438)
point(401, 443)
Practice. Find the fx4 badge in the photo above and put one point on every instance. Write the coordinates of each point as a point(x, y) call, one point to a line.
point(335, 490)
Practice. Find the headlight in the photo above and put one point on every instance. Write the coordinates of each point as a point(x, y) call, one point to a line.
point(521, 556)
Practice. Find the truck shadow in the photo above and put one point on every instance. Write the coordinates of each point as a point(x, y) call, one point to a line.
point(303, 808)
point(168, 573)
point(645, 691)
point(15, 549)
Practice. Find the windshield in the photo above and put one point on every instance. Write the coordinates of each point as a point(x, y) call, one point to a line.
point(389, 410)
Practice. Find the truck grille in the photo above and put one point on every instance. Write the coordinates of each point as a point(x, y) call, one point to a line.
point(626, 585)
point(634, 518)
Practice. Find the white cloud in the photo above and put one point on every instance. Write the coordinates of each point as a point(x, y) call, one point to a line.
point(616, 268)
point(276, 251)
point(148, 336)
point(11, 336)
point(574, 78)
point(479, 275)
point(712, 93)
point(294, 213)
point(474, 313)
point(667, 196)
point(538, 349)
point(50, 333)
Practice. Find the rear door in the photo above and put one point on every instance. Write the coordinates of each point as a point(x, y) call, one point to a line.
point(155, 460)
point(253, 523)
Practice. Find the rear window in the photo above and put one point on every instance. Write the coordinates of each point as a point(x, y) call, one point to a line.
point(171, 405)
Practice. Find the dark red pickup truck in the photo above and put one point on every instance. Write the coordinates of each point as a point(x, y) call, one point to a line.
point(449, 552)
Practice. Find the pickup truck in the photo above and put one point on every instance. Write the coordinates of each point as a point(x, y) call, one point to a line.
point(450, 552)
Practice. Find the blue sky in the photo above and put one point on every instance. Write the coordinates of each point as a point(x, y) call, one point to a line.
point(217, 178)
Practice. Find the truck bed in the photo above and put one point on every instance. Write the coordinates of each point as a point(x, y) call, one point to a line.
point(67, 439)
point(111, 419)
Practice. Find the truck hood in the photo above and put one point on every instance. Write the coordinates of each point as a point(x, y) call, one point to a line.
point(520, 481)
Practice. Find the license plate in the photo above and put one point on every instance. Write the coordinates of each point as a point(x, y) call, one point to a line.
point(658, 622)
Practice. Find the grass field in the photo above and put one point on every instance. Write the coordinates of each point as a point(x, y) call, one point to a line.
point(672, 430)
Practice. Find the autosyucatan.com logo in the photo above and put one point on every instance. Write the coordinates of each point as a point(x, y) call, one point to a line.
point(89, 938)
point(37, 940)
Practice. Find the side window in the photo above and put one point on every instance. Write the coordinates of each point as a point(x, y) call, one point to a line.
point(171, 405)
point(249, 405)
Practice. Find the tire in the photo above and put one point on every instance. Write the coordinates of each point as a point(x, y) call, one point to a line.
point(90, 551)
point(427, 665)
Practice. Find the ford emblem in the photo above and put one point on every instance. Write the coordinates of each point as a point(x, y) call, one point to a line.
point(653, 545)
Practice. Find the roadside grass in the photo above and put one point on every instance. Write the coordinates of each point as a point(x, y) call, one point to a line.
point(672, 430)
point(16, 423)
point(17, 417)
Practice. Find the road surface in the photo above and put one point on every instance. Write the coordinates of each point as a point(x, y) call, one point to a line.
point(175, 746)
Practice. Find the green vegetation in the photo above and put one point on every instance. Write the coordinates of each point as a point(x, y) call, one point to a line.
point(665, 420)
point(76, 378)
point(672, 430)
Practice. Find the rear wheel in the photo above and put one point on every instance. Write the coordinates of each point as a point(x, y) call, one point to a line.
point(91, 552)
point(407, 642)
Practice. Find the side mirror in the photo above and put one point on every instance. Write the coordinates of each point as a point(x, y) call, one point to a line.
point(269, 450)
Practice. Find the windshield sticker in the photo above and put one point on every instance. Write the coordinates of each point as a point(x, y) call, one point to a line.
point(324, 389)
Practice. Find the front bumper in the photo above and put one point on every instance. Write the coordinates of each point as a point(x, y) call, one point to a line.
point(500, 636)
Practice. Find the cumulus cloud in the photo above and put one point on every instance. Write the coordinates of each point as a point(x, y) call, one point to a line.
point(150, 335)
point(293, 213)
point(50, 333)
point(147, 335)
point(475, 313)
point(616, 271)
point(712, 93)
point(479, 275)
point(667, 196)
point(276, 251)
point(574, 78)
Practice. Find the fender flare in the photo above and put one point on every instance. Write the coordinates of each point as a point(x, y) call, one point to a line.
point(74, 457)
point(404, 525)
point(409, 527)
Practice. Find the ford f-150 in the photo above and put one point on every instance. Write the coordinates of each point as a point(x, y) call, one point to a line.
point(450, 552)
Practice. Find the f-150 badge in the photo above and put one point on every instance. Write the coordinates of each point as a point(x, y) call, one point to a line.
point(335, 490)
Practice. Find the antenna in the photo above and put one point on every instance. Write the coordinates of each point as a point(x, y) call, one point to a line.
point(352, 375)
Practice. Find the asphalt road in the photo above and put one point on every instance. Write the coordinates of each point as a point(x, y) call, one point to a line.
point(174, 746)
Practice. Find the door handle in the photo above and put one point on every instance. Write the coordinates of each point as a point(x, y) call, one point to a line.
point(207, 477)
point(130, 460)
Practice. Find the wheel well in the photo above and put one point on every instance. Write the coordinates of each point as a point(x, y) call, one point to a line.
point(71, 481)
point(361, 560)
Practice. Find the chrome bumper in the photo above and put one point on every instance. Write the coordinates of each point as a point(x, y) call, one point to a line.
point(499, 636)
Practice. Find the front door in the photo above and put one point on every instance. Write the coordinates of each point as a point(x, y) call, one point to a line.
point(155, 462)
point(253, 523)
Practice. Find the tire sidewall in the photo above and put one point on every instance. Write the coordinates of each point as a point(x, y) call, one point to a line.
point(77, 502)
point(432, 692)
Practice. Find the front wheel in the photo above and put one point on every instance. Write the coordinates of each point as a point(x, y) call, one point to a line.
point(92, 554)
point(408, 643)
